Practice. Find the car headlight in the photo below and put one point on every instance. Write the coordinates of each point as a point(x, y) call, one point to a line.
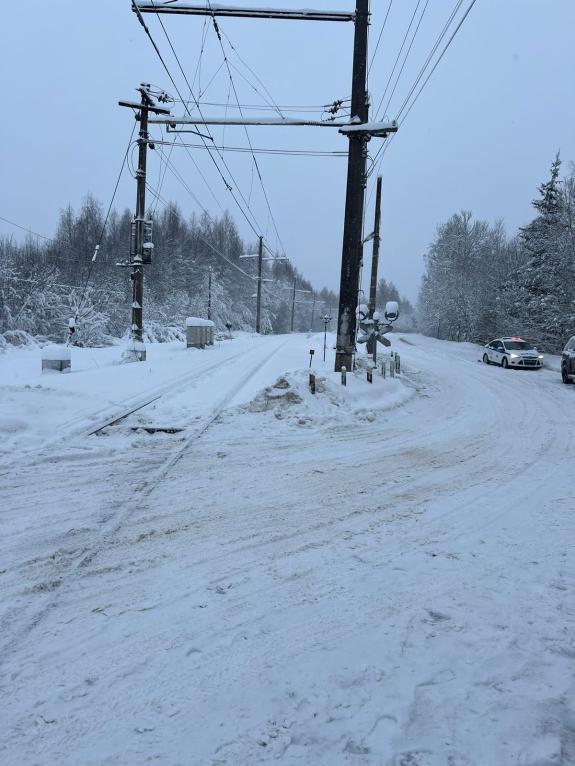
point(514, 356)
point(541, 356)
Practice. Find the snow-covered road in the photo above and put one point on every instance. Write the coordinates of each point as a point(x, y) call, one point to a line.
point(383, 578)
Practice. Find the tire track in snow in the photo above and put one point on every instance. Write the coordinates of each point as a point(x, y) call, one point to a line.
point(122, 512)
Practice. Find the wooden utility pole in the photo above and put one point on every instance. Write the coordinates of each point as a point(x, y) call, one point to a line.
point(259, 290)
point(372, 343)
point(140, 244)
point(294, 291)
point(209, 292)
point(356, 179)
point(375, 251)
point(260, 278)
point(137, 275)
point(312, 312)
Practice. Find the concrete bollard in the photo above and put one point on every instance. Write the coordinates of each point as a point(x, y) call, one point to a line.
point(343, 376)
point(397, 363)
point(391, 368)
point(383, 369)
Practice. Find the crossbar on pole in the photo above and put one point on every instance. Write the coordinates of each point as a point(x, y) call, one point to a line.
point(215, 9)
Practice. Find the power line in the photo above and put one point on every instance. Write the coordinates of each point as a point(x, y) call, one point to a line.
point(398, 56)
point(264, 107)
point(225, 181)
point(102, 230)
point(431, 53)
point(382, 150)
point(406, 57)
point(25, 228)
point(217, 31)
point(210, 218)
point(380, 36)
point(50, 283)
point(244, 149)
point(458, 27)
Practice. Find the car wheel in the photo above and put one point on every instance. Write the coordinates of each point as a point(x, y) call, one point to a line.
point(504, 363)
point(485, 359)
point(564, 376)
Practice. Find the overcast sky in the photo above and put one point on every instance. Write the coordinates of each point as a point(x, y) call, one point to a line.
point(480, 137)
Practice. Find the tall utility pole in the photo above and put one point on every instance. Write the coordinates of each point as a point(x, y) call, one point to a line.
point(140, 244)
point(375, 252)
point(294, 291)
point(259, 290)
point(293, 305)
point(374, 261)
point(209, 292)
point(352, 231)
point(260, 278)
point(312, 312)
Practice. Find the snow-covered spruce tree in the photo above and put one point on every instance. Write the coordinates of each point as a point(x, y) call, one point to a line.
point(539, 294)
point(455, 298)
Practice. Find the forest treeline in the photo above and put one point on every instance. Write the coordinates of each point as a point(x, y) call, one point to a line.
point(479, 284)
point(43, 285)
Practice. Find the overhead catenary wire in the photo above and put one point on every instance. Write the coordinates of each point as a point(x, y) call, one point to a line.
point(397, 58)
point(265, 107)
point(405, 57)
point(252, 222)
point(256, 164)
point(104, 224)
point(431, 54)
point(373, 55)
point(407, 106)
point(258, 150)
point(200, 237)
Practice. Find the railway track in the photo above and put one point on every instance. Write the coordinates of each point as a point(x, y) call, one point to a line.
point(90, 424)
point(71, 567)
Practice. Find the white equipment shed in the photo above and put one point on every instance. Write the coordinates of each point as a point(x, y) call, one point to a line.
point(199, 332)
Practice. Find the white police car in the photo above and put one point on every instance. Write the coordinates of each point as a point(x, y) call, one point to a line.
point(512, 352)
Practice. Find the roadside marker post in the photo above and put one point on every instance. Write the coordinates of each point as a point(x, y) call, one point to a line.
point(343, 376)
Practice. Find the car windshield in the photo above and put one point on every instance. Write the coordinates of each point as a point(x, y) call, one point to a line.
point(518, 345)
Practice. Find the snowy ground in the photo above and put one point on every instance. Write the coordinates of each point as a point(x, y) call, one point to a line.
point(378, 575)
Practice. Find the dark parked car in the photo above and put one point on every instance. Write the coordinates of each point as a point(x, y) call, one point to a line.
point(568, 361)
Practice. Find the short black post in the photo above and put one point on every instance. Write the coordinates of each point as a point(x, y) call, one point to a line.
point(311, 353)
point(312, 382)
point(369, 376)
point(343, 376)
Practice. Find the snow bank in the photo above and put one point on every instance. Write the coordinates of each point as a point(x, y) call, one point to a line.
point(56, 353)
point(198, 322)
point(290, 398)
